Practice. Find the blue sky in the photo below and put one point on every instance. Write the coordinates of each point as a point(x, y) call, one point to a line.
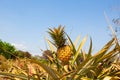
point(24, 23)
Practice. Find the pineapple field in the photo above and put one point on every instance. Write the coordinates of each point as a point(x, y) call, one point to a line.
point(64, 60)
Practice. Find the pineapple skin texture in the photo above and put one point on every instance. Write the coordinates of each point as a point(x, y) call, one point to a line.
point(64, 53)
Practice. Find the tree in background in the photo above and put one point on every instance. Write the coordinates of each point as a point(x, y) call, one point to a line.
point(7, 50)
point(22, 54)
point(114, 14)
point(116, 21)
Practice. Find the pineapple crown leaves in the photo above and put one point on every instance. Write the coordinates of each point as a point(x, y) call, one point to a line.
point(58, 36)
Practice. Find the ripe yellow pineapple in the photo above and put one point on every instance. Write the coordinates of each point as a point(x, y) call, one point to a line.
point(63, 50)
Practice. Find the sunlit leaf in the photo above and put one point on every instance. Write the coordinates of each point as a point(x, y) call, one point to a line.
point(99, 54)
point(78, 50)
point(15, 75)
point(73, 47)
point(90, 49)
point(76, 41)
point(50, 45)
point(49, 70)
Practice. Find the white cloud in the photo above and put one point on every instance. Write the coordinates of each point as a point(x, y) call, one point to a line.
point(20, 46)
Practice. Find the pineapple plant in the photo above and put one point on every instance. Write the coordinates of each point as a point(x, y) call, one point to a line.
point(64, 51)
point(103, 65)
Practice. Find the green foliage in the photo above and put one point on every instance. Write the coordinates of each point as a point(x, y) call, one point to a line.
point(7, 50)
point(10, 52)
point(58, 36)
point(22, 54)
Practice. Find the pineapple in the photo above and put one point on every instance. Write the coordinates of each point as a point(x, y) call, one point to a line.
point(63, 50)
